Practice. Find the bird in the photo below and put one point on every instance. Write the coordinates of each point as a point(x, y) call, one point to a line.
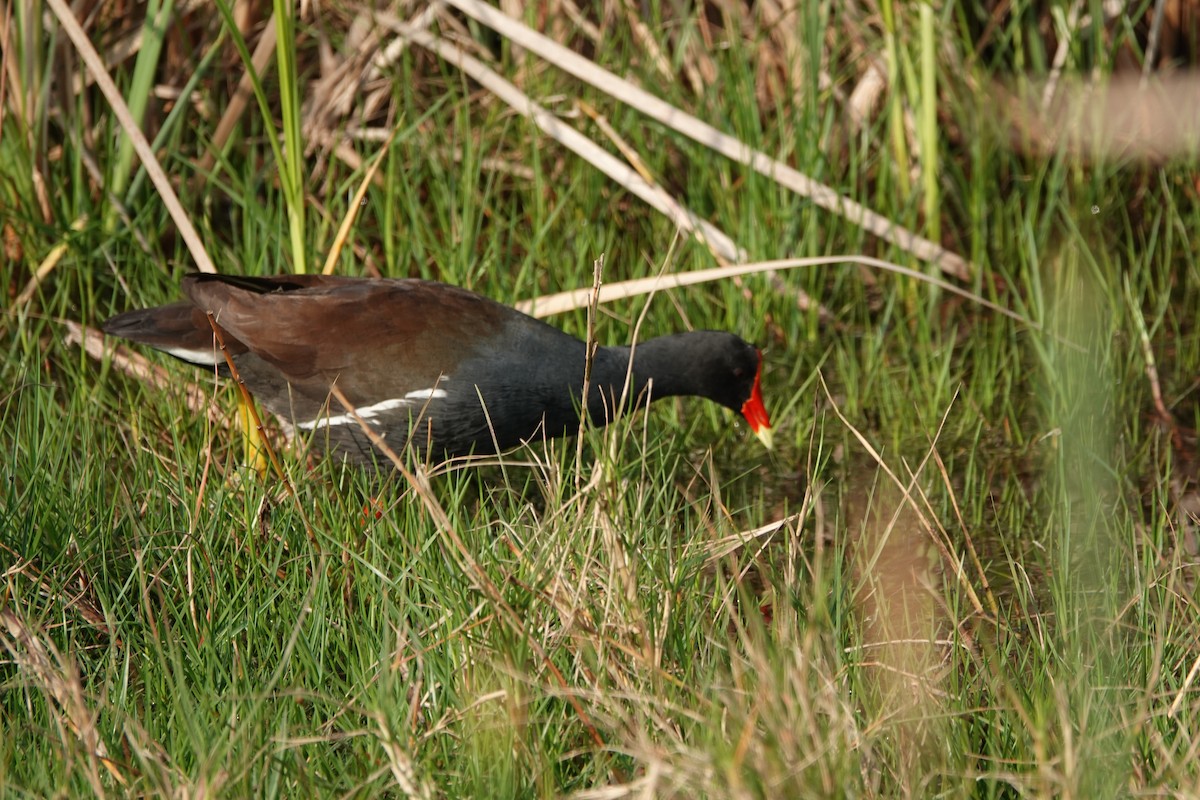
point(429, 365)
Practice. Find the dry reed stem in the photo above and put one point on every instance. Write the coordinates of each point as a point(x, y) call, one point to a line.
point(575, 298)
point(154, 170)
point(57, 677)
point(570, 138)
point(728, 146)
point(264, 50)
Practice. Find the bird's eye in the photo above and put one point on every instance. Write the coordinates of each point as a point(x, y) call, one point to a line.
point(738, 372)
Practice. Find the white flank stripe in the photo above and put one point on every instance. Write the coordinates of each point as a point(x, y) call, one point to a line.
point(374, 410)
point(207, 358)
point(426, 394)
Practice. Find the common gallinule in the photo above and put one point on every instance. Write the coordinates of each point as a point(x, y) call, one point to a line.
point(438, 366)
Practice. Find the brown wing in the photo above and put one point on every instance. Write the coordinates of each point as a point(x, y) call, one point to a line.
point(377, 338)
point(179, 328)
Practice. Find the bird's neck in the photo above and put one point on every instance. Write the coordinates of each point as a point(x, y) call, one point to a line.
point(657, 372)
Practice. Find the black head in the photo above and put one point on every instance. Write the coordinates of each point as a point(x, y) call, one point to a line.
point(714, 364)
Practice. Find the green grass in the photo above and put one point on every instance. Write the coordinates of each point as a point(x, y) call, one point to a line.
point(546, 626)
